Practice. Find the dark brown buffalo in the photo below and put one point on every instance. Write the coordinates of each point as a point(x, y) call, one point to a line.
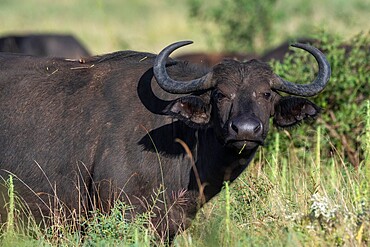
point(51, 45)
point(86, 133)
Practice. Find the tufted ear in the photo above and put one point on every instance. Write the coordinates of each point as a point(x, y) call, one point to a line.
point(290, 111)
point(192, 110)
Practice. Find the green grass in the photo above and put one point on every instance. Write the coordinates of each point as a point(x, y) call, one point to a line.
point(283, 199)
point(289, 201)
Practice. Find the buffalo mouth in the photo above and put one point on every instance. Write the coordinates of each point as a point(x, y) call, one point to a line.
point(240, 145)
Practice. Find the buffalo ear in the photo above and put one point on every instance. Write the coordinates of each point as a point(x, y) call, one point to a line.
point(192, 110)
point(290, 111)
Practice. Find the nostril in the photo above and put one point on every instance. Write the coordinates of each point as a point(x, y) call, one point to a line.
point(258, 128)
point(234, 127)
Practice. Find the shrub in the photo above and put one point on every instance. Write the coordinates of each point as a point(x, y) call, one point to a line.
point(343, 100)
point(240, 24)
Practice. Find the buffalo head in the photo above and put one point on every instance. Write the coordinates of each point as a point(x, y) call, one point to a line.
point(238, 98)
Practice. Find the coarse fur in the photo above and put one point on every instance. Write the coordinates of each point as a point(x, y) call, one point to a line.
point(101, 129)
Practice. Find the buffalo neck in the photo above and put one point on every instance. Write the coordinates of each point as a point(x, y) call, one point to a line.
point(216, 163)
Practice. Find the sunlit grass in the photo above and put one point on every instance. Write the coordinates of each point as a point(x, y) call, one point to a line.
point(285, 198)
point(288, 204)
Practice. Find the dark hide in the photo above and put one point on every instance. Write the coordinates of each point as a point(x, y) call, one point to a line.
point(50, 45)
point(93, 131)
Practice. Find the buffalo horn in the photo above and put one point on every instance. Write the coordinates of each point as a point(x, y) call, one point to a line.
point(173, 86)
point(317, 85)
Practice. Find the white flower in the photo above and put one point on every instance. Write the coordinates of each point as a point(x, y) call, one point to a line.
point(322, 207)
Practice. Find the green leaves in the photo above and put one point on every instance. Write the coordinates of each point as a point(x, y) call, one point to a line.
point(345, 95)
point(241, 24)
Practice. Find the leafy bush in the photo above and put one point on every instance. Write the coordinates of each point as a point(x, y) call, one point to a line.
point(240, 24)
point(343, 100)
point(115, 228)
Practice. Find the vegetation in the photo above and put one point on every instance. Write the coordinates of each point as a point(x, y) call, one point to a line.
point(345, 96)
point(254, 26)
point(257, 18)
point(107, 26)
point(103, 26)
point(309, 186)
point(298, 191)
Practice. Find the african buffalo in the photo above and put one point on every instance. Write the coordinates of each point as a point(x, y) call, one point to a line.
point(51, 45)
point(85, 133)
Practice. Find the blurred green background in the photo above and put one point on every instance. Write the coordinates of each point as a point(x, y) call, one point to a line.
point(106, 26)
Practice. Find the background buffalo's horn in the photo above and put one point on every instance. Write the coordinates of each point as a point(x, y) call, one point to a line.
point(317, 85)
point(170, 85)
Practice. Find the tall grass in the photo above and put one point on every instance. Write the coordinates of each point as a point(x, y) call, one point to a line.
point(293, 196)
point(310, 201)
point(283, 199)
point(366, 145)
point(9, 230)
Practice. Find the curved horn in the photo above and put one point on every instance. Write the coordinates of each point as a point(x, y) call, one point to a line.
point(170, 85)
point(317, 85)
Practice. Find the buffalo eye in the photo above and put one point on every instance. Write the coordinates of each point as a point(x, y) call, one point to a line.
point(219, 96)
point(266, 95)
